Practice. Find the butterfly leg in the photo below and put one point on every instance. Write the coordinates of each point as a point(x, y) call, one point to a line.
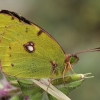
point(70, 66)
point(67, 67)
point(51, 79)
point(54, 71)
point(63, 74)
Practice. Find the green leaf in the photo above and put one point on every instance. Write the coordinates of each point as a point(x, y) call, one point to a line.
point(58, 90)
point(28, 87)
point(16, 98)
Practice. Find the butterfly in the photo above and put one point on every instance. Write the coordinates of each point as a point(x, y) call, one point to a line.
point(28, 51)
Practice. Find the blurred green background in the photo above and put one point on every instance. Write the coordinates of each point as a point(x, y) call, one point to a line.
point(75, 24)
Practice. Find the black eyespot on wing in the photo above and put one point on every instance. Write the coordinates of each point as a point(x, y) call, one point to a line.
point(12, 65)
point(9, 47)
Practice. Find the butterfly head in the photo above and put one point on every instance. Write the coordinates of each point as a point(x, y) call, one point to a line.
point(72, 59)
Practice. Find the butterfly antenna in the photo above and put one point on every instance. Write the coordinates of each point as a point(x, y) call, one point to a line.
point(88, 50)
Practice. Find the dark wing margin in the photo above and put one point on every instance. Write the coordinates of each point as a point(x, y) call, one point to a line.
point(13, 14)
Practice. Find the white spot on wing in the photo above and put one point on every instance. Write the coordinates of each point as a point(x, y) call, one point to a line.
point(30, 48)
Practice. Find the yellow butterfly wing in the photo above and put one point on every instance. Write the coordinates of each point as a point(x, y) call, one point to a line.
point(26, 50)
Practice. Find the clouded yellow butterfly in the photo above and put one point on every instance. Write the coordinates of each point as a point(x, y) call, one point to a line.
point(27, 51)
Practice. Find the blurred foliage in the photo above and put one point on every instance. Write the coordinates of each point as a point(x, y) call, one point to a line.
point(75, 24)
point(30, 89)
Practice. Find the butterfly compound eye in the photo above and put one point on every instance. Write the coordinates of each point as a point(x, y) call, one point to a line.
point(74, 59)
